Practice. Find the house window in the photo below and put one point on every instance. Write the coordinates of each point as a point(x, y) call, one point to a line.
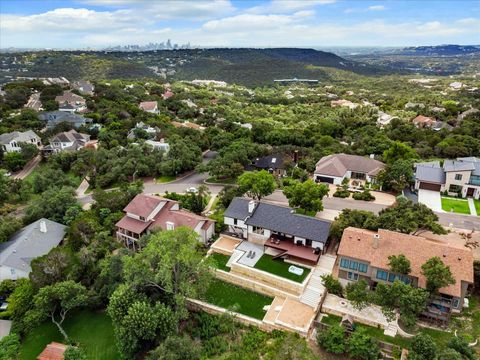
point(12, 271)
point(456, 303)
point(353, 265)
point(455, 188)
point(352, 276)
point(362, 267)
point(382, 275)
point(391, 277)
point(344, 263)
point(458, 177)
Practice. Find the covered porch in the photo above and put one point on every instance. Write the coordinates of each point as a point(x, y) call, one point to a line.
point(288, 248)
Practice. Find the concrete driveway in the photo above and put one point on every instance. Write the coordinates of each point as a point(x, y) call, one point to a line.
point(430, 198)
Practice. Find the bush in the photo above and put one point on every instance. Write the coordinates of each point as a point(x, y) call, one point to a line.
point(341, 193)
point(423, 348)
point(449, 354)
point(460, 345)
point(332, 285)
point(332, 339)
point(9, 347)
point(363, 347)
point(365, 196)
point(176, 348)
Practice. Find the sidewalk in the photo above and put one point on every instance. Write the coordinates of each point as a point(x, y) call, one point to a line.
point(471, 205)
point(82, 188)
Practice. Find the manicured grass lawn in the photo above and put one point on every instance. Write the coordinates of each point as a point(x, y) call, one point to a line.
point(243, 301)
point(92, 330)
point(280, 268)
point(455, 205)
point(221, 261)
point(164, 179)
point(477, 206)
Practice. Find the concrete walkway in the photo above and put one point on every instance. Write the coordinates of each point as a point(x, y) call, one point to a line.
point(82, 188)
point(471, 205)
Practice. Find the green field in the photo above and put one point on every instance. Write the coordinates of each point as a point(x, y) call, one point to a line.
point(220, 261)
point(92, 330)
point(243, 301)
point(477, 206)
point(455, 205)
point(280, 268)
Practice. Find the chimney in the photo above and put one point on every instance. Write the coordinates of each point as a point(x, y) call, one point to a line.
point(376, 241)
point(43, 226)
point(251, 206)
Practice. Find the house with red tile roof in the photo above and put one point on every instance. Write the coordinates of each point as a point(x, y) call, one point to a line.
point(363, 254)
point(423, 121)
point(146, 213)
point(149, 106)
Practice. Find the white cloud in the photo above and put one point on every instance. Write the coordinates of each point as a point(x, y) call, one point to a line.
point(376, 7)
point(287, 6)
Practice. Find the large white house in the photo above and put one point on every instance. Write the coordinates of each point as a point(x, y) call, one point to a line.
point(11, 141)
point(34, 240)
point(67, 141)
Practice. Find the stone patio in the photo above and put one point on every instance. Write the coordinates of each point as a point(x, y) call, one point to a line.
point(291, 314)
point(225, 244)
point(248, 247)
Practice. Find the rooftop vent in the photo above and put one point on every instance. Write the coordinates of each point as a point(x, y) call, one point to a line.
point(43, 226)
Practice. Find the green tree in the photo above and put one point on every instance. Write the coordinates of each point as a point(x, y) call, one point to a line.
point(56, 301)
point(9, 224)
point(332, 339)
point(52, 204)
point(358, 294)
point(176, 348)
point(449, 354)
point(399, 264)
point(257, 184)
point(438, 274)
point(361, 346)
point(74, 353)
point(460, 345)
point(399, 151)
point(423, 348)
point(332, 285)
point(306, 196)
point(354, 218)
point(14, 161)
point(173, 264)
point(397, 176)
point(10, 347)
point(19, 302)
point(51, 268)
point(29, 151)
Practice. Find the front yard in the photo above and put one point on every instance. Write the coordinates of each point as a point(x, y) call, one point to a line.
point(455, 205)
point(280, 268)
point(92, 330)
point(477, 206)
point(238, 299)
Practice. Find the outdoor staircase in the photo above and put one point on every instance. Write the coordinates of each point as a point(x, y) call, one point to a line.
point(391, 329)
point(314, 290)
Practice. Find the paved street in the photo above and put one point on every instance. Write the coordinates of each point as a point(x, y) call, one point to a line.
point(28, 168)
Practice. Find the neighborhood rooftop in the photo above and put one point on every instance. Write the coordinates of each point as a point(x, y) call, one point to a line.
point(339, 164)
point(360, 244)
point(280, 219)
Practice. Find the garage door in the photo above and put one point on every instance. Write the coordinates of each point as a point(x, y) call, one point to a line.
point(324, 179)
point(430, 186)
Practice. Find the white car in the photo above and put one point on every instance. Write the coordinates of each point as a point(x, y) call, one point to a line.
point(4, 306)
point(192, 190)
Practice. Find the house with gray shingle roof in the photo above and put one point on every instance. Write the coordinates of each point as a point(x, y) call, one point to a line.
point(31, 242)
point(11, 141)
point(460, 176)
point(54, 118)
point(67, 141)
point(334, 168)
point(279, 228)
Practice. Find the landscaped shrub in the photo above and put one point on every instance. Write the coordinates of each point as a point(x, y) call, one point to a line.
point(332, 339)
point(365, 196)
point(214, 346)
point(363, 347)
point(460, 345)
point(449, 354)
point(341, 193)
point(332, 285)
point(9, 347)
point(423, 348)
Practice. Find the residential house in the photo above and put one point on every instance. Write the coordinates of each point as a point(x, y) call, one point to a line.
point(274, 164)
point(66, 141)
point(146, 213)
point(424, 121)
point(53, 118)
point(84, 87)
point(149, 106)
point(188, 124)
point(466, 113)
point(333, 169)
point(11, 141)
point(34, 240)
point(344, 103)
point(460, 176)
point(151, 131)
point(384, 119)
point(71, 102)
point(278, 228)
point(159, 145)
point(363, 254)
point(34, 102)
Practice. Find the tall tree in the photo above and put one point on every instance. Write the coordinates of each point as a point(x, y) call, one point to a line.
point(306, 196)
point(397, 176)
point(438, 274)
point(56, 301)
point(399, 264)
point(355, 218)
point(399, 151)
point(358, 294)
point(173, 264)
point(361, 346)
point(257, 184)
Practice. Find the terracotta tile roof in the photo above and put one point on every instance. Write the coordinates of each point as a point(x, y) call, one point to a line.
point(133, 225)
point(53, 351)
point(358, 243)
point(177, 217)
point(187, 124)
point(143, 205)
point(339, 164)
point(423, 120)
point(148, 105)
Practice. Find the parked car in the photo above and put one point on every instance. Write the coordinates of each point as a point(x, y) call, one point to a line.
point(4, 306)
point(192, 190)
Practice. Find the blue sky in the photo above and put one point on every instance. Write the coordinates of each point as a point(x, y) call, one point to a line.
point(314, 23)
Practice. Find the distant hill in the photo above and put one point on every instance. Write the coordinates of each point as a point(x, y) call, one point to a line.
point(250, 67)
point(440, 50)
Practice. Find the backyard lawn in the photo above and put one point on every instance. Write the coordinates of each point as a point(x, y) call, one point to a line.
point(477, 206)
point(92, 330)
point(235, 298)
point(220, 261)
point(455, 205)
point(280, 268)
